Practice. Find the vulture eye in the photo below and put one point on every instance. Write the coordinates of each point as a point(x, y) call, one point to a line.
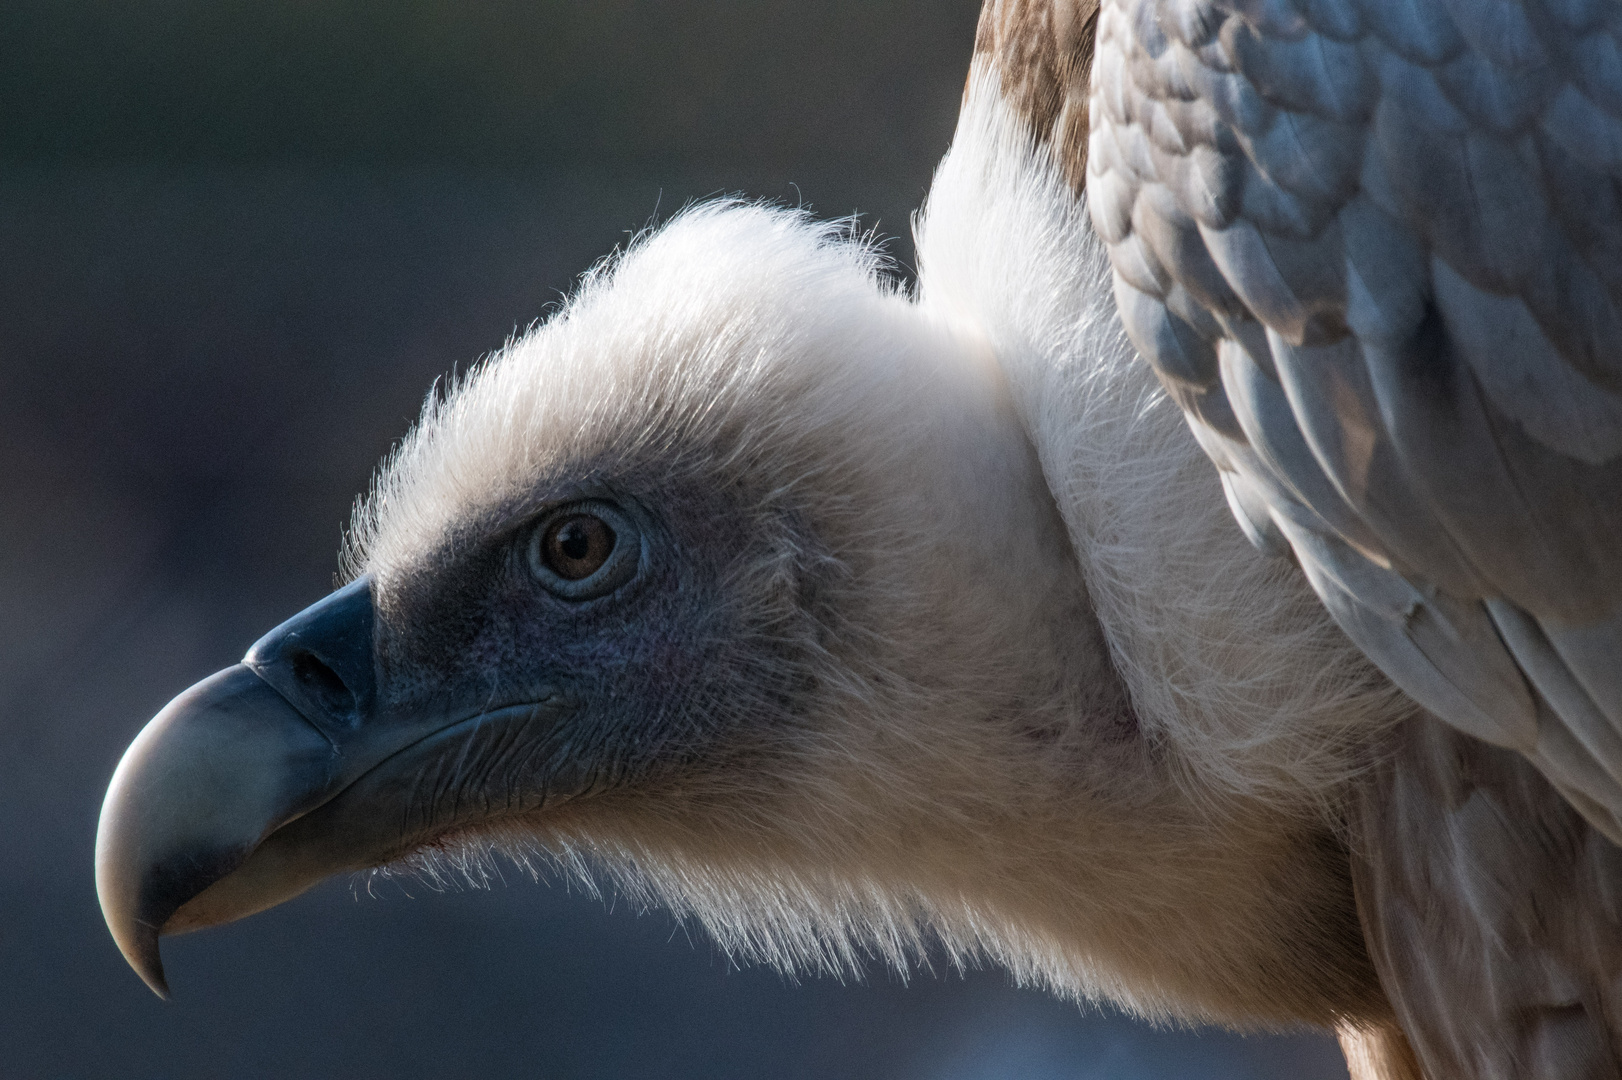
point(584, 550)
point(577, 546)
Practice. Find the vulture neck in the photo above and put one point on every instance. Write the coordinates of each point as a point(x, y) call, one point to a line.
point(1221, 892)
point(1230, 662)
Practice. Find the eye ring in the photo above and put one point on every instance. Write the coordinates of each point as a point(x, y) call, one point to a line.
point(583, 550)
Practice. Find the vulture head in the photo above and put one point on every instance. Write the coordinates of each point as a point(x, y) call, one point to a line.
point(740, 582)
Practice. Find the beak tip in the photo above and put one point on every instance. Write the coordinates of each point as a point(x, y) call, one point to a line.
point(139, 944)
point(189, 802)
point(152, 975)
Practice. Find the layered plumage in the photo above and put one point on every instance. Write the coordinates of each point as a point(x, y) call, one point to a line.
point(925, 618)
point(1370, 249)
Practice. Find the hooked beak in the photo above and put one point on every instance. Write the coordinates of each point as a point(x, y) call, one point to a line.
point(269, 776)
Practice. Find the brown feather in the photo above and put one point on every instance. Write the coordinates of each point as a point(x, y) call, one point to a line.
point(1043, 53)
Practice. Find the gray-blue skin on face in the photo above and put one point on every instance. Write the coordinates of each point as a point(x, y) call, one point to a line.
point(482, 687)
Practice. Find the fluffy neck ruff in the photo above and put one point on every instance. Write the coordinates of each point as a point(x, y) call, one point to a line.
point(1231, 661)
point(1062, 717)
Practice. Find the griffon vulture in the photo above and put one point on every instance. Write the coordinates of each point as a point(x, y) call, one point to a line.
point(845, 619)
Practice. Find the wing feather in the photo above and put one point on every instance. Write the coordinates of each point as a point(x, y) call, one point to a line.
point(1492, 911)
point(1373, 248)
point(1381, 206)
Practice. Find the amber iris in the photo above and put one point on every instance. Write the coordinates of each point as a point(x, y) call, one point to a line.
point(576, 547)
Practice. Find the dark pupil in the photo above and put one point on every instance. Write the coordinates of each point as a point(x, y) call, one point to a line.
point(574, 541)
point(577, 547)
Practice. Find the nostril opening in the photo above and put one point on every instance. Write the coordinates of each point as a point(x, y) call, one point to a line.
point(321, 659)
point(322, 683)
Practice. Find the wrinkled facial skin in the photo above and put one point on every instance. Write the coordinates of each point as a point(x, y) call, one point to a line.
point(643, 672)
point(642, 680)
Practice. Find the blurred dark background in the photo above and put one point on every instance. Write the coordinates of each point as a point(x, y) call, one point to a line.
point(238, 241)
